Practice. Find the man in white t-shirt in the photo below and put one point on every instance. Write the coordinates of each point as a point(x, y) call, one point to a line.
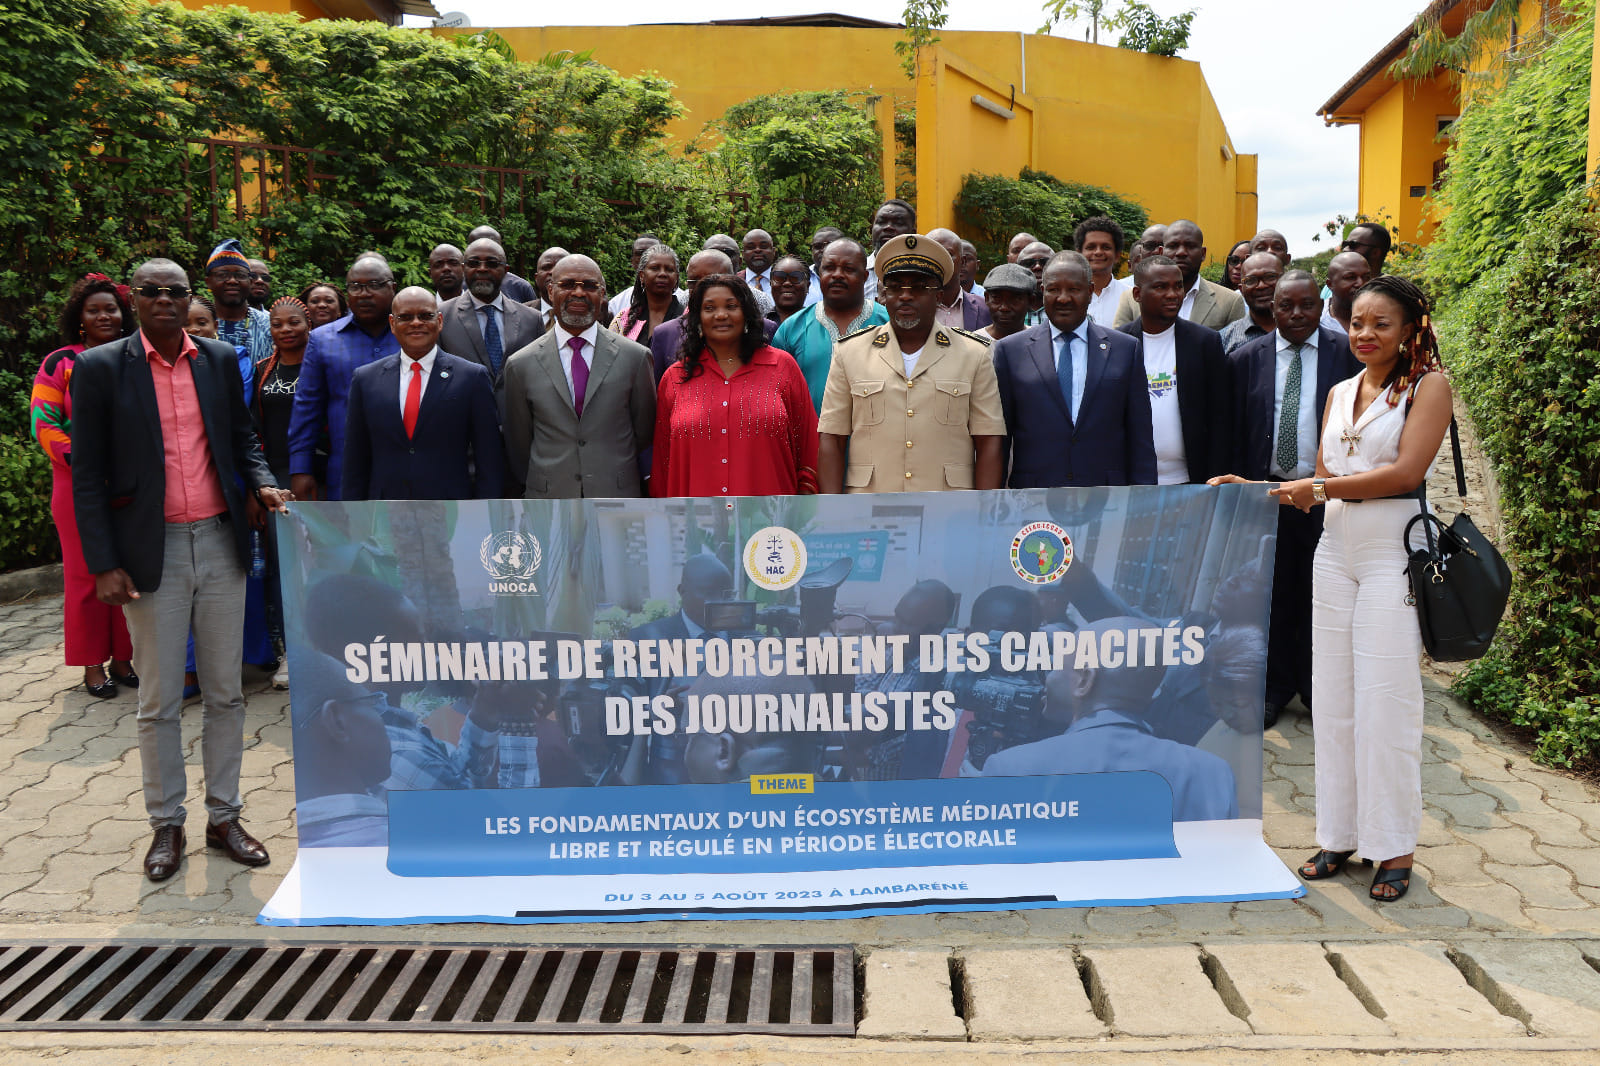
point(1187, 377)
point(1101, 240)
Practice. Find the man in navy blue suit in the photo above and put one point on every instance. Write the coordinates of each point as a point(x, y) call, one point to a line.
point(1076, 402)
point(1280, 386)
point(421, 425)
point(1188, 377)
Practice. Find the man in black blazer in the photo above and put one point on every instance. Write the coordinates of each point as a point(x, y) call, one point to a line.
point(166, 473)
point(1188, 378)
point(1260, 374)
point(484, 324)
point(446, 445)
point(1076, 403)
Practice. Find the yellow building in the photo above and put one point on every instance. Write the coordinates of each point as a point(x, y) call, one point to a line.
point(1405, 122)
point(1143, 126)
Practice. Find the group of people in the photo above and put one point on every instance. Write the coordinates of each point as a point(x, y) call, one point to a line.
point(177, 423)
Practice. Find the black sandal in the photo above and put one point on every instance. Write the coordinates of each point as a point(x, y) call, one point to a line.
point(1399, 876)
point(1324, 864)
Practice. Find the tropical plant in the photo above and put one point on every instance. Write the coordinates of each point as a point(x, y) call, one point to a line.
point(923, 20)
point(1146, 31)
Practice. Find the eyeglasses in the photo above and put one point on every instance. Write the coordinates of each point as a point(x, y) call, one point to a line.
point(369, 286)
point(1256, 280)
point(573, 285)
point(415, 316)
point(490, 264)
point(1031, 263)
point(908, 285)
point(1234, 260)
point(155, 292)
point(796, 277)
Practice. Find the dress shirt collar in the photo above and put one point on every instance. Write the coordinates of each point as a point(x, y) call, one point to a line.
point(695, 628)
point(1082, 333)
point(1193, 289)
point(590, 335)
point(498, 303)
point(1308, 345)
point(189, 347)
point(426, 362)
point(1107, 717)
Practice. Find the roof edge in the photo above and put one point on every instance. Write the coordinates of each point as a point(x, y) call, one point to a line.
point(1385, 58)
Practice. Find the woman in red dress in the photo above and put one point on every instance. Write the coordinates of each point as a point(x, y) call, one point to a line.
point(97, 312)
point(733, 414)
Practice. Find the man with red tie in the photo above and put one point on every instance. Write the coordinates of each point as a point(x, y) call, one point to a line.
point(421, 425)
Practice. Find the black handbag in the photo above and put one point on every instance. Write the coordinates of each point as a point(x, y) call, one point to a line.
point(1459, 582)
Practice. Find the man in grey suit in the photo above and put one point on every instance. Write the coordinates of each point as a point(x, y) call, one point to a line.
point(580, 402)
point(1204, 303)
point(483, 324)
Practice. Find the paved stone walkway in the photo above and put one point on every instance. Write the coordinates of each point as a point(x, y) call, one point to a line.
point(1492, 944)
point(1507, 846)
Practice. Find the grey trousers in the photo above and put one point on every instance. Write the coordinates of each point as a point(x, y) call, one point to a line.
point(202, 587)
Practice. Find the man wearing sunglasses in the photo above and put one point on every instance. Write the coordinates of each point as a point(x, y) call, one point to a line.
point(161, 444)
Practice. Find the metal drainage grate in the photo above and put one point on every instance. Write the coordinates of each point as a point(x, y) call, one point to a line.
point(148, 985)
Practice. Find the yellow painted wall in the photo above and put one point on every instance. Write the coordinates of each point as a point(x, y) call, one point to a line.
point(1144, 126)
point(964, 136)
point(306, 9)
point(1399, 146)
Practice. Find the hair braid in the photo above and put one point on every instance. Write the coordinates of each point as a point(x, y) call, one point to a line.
point(1421, 354)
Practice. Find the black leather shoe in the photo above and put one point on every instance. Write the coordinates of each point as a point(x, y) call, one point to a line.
point(127, 680)
point(240, 846)
point(165, 854)
point(1269, 717)
point(103, 691)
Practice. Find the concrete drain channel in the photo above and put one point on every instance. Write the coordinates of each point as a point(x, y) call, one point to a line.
point(243, 986)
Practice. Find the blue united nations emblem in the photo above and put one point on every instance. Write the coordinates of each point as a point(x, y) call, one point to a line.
point(510, 557)
point(1041, 553)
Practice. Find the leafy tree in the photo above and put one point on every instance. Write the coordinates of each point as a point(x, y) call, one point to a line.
point(924, 19)
point(1513, 156)
point(822, 149)
point(1097, 12)
point(1489, 39)
point(1146, 31)
point(993, 208)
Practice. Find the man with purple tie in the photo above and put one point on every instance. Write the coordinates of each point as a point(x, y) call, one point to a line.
point(580, 402)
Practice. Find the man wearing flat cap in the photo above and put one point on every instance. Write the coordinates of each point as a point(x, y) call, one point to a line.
point(915, 402)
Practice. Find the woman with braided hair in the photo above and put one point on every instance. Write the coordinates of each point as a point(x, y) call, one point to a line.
point(1381, 433)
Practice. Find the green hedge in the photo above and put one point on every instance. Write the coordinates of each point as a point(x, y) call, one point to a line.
point(993, 209)
point(27, 534)
point(1523, 345)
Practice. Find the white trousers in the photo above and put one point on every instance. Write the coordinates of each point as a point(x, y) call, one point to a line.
point(1365, 682)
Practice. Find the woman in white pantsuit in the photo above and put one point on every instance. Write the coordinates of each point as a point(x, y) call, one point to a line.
point(1381, 432)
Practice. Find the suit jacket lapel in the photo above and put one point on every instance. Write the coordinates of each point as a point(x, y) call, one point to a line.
point(549, 354)
point(605, 353)
point(144, 386)
point(1099, 351)
point(434, 397)
point(932, 352)
point(1204, 302)
point(1044, 361)
point(1187, 368)
point(468, 311)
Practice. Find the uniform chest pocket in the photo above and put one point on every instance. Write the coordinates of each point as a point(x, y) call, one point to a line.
point(867, 401)
point(952, 403)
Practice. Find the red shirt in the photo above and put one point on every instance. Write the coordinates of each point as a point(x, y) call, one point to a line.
point(193, 489)
point(754, 434)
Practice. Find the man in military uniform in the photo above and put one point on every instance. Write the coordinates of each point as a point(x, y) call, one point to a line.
point(915, 402)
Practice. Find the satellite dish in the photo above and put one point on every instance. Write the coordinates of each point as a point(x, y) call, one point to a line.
point(453, 20)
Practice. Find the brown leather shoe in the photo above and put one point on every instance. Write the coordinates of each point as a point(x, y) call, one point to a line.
point(165, 854)
point(240, 846)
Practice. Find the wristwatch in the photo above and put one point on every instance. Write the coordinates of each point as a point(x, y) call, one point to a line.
point(1319, 490)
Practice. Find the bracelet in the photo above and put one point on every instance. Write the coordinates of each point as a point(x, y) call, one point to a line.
point(1319, 490)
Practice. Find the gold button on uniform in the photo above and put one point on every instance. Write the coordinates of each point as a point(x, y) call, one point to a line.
point(908, 474)
point(909, 412)
point(908, 444)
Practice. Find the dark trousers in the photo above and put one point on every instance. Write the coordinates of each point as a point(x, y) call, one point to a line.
point(1289, 637)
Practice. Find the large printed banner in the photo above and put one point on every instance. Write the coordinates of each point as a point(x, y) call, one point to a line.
point(610, 710)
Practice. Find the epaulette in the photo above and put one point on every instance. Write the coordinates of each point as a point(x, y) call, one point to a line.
point(859, 332)
point(982, 338)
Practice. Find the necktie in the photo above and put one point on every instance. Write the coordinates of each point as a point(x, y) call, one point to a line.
point(1289, 424)
point(413, 399)
point(580, 375)
point(491, 341)
point(1064, 371)
point(761, 282)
